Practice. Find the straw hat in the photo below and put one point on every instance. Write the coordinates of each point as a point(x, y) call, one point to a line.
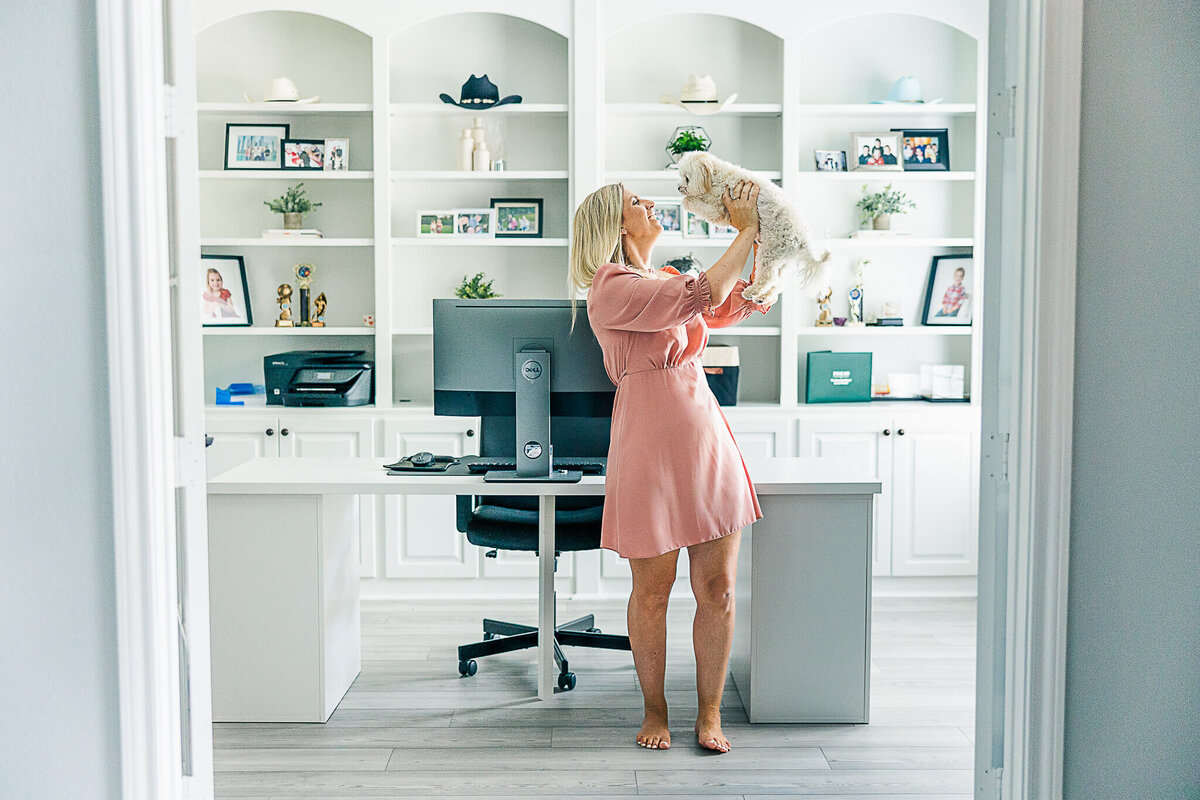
point(699, 96)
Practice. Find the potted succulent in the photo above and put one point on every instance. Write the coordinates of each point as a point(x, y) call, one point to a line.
point(293, 205)
point(877, 208)
point(687, 139)
point(475, 288)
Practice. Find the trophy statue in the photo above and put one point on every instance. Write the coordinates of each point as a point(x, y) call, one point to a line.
point(304, 277)
point(319, 311)
point(856, 295)
point(285, 307)
point(824, 318)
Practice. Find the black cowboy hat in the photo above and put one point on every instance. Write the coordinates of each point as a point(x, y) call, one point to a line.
point(479, 93)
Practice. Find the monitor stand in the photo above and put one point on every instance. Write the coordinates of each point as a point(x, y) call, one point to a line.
point(531, 367)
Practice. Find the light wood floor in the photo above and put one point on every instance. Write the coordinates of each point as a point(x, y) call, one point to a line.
point(411, 728)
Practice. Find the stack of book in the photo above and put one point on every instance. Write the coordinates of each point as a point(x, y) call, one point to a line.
point(291, 233)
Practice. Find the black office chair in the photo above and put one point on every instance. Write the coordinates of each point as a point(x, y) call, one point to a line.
point(511, 523)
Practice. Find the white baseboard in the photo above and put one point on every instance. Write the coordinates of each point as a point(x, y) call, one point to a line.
point(526, 589)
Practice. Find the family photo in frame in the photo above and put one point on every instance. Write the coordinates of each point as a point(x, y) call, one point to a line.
point(518, 218)
point(878, 151)
point(254, 146)
point(925, 149)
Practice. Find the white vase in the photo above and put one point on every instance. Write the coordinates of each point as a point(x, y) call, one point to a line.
point(466, 147)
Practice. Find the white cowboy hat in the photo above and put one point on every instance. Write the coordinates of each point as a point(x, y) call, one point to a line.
point(282, 90)
point(699, 96)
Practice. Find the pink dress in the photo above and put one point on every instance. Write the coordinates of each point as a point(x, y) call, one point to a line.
point(675, 475)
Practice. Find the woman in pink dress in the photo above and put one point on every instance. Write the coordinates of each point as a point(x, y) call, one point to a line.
point(675, 475)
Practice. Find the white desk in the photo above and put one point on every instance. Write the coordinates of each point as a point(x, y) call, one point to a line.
point(284, 590)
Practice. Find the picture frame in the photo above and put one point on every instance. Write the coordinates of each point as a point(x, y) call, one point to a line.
point(669, 213)
point(949, 297)
point(254, 146)
point(224, 292)
point(435, 224)
point(475, 223)
point(518, 218)
point(337, 155)
point(875, 151)
point(303, 154)
point(694, 227)
point(718, 231)
point(830, 160)
point(918, 141)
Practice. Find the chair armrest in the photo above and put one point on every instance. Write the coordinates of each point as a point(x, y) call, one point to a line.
point(464, 505)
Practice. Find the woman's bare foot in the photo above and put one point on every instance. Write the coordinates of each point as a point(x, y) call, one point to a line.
point(654, 734)
point(708, 732)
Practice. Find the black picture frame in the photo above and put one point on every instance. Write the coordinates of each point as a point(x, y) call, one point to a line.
point(502, 204)
point(279, 132)
point(942, 143)
point(941, 274)
point(318, 166)
point(213, 313)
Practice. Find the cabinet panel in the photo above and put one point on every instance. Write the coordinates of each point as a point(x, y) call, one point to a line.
point(306, 437)
point(421, 540)
point(767, 437)
point(862, 441)
point(238, 440)
point(935, 506)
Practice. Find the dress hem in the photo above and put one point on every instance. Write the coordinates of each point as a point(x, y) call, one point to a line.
point(680, 547)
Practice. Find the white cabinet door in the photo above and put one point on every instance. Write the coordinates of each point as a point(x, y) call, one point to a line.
point(420, 537)
point(935, 516)
point(304, 436)
point(761, 437)
point(867, 441)
point(238, 440)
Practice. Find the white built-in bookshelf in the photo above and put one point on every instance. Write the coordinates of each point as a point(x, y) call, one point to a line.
point(590, 73)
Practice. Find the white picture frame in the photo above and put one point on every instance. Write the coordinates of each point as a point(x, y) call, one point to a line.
point(669, 213)
point(862, 156)
point(436, 224)
point(475, 223)
point(694, 227)
point(337, 155)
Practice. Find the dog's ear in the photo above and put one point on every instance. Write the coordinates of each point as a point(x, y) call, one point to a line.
point(704, 171)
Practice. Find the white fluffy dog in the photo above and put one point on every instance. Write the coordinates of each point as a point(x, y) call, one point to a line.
point(784, 239)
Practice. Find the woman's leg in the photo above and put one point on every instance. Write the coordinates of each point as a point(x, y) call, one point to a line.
point(647, 619)
point(713, 571)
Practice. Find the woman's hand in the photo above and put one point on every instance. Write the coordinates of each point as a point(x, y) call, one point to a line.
point(741, 202)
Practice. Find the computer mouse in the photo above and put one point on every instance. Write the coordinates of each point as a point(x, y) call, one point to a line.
point(421, 459)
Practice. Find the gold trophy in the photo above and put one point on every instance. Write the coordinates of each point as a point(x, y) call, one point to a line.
point(319, 311)
point(285, 307)
point(304, 277)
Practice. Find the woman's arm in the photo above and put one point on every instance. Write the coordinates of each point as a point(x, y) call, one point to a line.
point(741, 202)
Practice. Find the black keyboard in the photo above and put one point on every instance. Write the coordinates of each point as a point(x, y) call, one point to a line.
point(586, 465)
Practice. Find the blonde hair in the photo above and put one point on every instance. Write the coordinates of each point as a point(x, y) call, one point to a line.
point(596, 238)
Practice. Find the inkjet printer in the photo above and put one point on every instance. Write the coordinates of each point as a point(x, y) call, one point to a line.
point(319, 378)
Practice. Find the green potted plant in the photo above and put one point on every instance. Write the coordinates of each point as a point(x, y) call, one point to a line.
point(687, 139)
point(475, 288)
point(293, 205)
point(877, 208)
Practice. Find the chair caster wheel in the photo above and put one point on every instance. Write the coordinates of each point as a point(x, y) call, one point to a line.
point(593, 630)
point(566, 681)
point(467, 668)
point(487, 637)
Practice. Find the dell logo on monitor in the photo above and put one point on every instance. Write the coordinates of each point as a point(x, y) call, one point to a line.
point(532, 370)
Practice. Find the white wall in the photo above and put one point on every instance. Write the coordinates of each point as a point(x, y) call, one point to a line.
point(58, 652)
point(1133, 641)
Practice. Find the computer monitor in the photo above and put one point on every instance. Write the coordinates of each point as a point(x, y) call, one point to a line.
point(519, 358)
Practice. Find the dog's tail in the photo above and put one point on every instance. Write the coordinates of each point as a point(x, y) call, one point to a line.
point(811, 264)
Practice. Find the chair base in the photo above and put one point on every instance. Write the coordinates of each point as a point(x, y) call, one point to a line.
point(505, 637)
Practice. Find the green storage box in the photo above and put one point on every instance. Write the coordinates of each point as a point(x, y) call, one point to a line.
point(838, 377)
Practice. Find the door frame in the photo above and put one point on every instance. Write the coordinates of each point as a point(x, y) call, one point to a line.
point(1028, 366)
point(1034, 89)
